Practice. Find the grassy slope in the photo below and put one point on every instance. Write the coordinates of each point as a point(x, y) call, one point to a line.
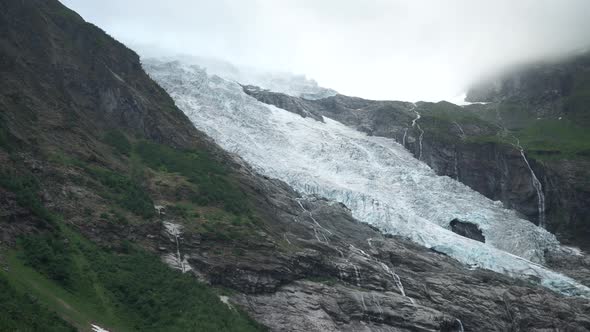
point(127, 289)
point(543, 139)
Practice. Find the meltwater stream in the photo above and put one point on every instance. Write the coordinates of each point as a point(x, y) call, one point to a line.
point(381, 182)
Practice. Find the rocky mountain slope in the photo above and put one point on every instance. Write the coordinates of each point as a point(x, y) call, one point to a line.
point(305, 152)
point(464, 143)
point(117, 213)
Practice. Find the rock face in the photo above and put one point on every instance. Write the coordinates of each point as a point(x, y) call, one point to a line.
point(457, 142)
point(356, 279)
point(467, 229)
point(59, 72)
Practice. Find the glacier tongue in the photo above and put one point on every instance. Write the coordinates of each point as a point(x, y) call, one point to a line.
point(381, 182)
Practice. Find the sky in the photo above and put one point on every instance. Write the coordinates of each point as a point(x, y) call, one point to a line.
point(379, 49)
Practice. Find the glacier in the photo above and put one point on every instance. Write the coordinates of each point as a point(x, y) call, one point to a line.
point(375, 177)
point(283, 82)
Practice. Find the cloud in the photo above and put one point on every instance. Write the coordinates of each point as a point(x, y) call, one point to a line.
point(382, 49)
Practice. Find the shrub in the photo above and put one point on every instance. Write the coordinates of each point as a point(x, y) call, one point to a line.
point(212, 179)
point(117, 140)
point(26, 189)
point(125, 191)
point(51, 256)
point(21, 312)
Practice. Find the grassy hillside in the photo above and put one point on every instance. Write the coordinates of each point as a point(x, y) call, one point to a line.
point(122, 291)
point(125, 287)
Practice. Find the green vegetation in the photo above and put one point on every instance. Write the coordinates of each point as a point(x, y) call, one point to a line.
point(22, 312)
point(542, 138)
point(56, 269)
point(124, 190)
point(26, 188)
point(220, 225)
point(441, 119)
point(3, 137)
point(124, 291)
point(51, 256)
point(577, 105)
point(330, 281)
point(118, 141)
point(216, 224)
point(548, 139)
point(210, 177)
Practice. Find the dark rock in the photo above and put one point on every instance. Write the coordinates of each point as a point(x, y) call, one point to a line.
point(467, 229)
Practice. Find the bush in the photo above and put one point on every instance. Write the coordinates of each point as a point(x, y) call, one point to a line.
point(117, 140)
point(50, 256)
point(125, 191)
point(21, 312)
point(210, 177)
point(26, 189)
point(134, 285)
point(157, 298)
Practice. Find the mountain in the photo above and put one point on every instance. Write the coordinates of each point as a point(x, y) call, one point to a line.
point(374, 177)
point(117, 213)
point(546, 90)
point(545, 106)
point(465, 144)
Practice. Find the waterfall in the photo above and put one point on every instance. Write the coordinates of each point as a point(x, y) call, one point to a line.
point(175, 230)
point(462, 135)
point(378, 304)
point(537, 185)
point(415, 124)
point(357, 275)
point(96, 328)
point(460, 324)
point(456, 168)
point(322, 229)
point(404, 138)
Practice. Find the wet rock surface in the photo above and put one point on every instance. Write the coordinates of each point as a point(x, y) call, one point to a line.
point(356, 279)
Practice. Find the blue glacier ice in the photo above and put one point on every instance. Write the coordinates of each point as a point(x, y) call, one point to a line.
point(375, 177)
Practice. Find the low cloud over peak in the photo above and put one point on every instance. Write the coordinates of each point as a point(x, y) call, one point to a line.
point(381, 49)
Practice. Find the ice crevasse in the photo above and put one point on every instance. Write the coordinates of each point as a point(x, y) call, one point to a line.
point(375, 177)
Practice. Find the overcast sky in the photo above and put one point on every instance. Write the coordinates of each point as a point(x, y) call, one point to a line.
point(382, 49)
